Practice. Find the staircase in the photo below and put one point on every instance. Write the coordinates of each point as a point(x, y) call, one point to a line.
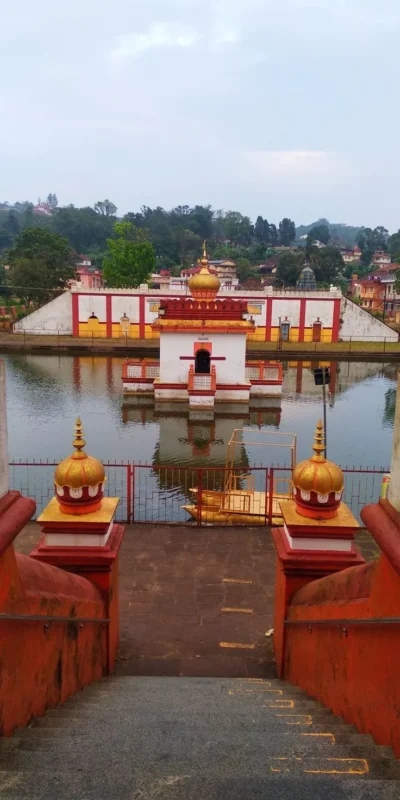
point(194, 738)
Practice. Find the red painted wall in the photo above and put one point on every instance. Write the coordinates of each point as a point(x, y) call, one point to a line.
point(42, 666)
point(355, 673)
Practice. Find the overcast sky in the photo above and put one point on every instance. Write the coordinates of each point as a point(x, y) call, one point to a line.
point(272, 107)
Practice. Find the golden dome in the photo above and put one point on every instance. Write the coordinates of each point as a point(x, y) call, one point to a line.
point(317, 474)
point(204, 285)
point(79, 469)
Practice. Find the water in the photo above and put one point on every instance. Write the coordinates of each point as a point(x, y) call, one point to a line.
point(46, 393)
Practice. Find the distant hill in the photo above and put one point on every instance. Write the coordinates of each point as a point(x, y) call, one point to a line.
point(341, 234)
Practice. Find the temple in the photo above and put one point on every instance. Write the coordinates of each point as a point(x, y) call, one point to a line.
point(203, 351)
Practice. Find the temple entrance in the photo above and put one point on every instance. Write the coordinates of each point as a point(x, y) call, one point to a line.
point(316, 331)
point(285, 331)
point(202, 362)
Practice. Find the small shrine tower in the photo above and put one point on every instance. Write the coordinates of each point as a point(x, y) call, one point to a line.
point(318, 533)
point(203, 345)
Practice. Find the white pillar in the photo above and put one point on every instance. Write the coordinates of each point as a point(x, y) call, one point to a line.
point(4, 485)
point(394, 486)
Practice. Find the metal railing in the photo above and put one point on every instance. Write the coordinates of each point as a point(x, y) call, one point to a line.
point(156, 493)
point(341, 623)
point(44, 618)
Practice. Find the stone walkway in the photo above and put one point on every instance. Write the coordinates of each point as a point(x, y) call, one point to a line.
point(196, 601)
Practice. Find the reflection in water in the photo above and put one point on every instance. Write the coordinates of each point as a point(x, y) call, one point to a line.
point(45, 394)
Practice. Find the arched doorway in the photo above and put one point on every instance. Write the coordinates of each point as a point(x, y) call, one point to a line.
point(316, 331)
point(202, 362)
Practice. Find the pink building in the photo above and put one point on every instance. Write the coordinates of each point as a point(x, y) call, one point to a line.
point(89, 276)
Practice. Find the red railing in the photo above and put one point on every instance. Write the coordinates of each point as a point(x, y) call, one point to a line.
point(156, 493)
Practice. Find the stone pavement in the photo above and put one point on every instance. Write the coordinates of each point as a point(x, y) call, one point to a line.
point(196, 601)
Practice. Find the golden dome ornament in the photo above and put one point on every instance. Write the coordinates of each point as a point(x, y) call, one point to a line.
point(79, 479)
point(204, 285)
point(318, 484)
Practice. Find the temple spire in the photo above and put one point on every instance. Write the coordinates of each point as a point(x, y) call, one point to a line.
point(319, 442)
point(79, 441)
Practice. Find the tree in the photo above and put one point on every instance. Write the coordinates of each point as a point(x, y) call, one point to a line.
point(320, 233)
point(261, 230)
point(52, 201)
point(188, 245)
point(237, 228)
point(273, 235)
point(289, 268)
point(243, 269)
point(327, 263)
point(128, 263)
point(85, 230)
point(397, 281)
point(287, 232)
point(34, 280)
point(394, 243)
point(370, 240)
point(106, 208)
point(42, 245)
point(12, 223)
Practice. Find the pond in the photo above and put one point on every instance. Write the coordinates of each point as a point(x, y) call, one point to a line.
point(46, 393)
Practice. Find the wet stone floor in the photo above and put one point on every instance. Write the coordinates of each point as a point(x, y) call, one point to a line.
point(196, 601)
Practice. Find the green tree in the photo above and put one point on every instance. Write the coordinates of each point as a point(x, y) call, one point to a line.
point(370, 240)
point(42, 245)
point(243, 269)
point(261, 231)
point(35, 281)
point(287, 232)
point(320, 233)
point(394, 243)
point(289, 268)
point(397, 281)
point(52, 201)
point(128, 263)
point(238, 229)
point(106, 208)
point(273, 235)
point(85, 229)
point(188, 245)
point(327, 263)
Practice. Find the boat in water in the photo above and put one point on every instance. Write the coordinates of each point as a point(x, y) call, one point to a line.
point(241, 501)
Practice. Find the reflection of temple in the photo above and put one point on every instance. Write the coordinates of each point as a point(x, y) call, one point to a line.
point(187, 443)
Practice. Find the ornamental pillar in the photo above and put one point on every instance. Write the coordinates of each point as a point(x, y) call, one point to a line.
point(317, 537)
point(80, 534)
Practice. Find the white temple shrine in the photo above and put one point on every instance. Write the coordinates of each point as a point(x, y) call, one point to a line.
point(203, 351)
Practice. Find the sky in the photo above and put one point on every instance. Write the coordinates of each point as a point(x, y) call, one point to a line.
point(271, 107)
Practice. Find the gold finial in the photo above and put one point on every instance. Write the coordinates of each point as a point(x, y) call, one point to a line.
point(79, 442)
point(319, 442)
point(204, 260)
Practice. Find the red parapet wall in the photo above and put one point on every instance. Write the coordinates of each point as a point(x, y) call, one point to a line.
point(342, 645)
point(44, 661)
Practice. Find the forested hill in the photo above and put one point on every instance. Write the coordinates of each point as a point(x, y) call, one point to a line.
point(175, 234)
point(341, 233)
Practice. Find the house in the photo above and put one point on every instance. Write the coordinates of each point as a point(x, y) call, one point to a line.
point(88, 275)
point(381, 258)
point(42, 209)
point(161, 279)
point(351, 255)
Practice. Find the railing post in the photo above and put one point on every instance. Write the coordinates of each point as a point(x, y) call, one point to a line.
point(271, 496)
point(128, 492)
point(133, 493)
point(199, 495)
